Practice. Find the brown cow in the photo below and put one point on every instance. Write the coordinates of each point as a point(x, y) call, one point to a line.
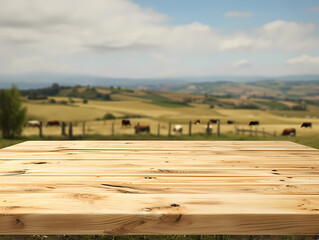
point(289, 132)
point(126, 122)
point(52, 123)
point(140, 128)
point(197, 121)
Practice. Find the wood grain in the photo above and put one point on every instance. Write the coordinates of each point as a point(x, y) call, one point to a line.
point(159, 187)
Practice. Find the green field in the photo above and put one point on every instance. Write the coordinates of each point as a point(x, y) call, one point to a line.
point(273, 104)
point(169, 105)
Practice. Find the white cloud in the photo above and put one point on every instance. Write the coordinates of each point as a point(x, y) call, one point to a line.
point(57, 29)
point(120, 25)
point(304, 59)
point(242, 63)
point(238, 14)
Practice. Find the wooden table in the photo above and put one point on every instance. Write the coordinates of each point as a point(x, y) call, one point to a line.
point(159, 187)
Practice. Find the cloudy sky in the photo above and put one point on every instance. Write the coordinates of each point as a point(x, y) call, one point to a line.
point(160, 38)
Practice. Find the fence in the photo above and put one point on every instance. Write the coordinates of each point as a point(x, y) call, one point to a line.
point(254, 132)
point(67, 129)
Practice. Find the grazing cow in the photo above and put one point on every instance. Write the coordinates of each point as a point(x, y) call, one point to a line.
point(197, 121)
point(214, 120)
point(230, 122)
point(289, 132)
point(52, 123)
point(139, 128)
point(178, 129)
point(34, 123)
point(307, 124)
point(126, 122)
point(253, 123)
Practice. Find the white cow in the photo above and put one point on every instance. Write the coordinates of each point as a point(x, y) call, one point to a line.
point(33, 123)
point(178, 129)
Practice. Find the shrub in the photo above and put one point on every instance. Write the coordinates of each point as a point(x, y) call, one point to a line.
point(12, 115)
point(108, 116)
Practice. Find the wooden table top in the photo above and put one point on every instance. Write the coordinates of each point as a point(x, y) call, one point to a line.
point(159, 187)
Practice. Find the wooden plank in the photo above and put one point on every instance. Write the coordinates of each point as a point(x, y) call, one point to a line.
point(159, 214)
point(159, 187)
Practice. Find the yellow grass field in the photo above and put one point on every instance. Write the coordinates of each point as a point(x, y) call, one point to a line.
point(77, 113)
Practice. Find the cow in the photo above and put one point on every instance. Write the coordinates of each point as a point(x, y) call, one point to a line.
point(289, 132)
point(140, 128)
point(230, 122)
point(178, 129)
point(253, 123)
point(197, 121)
point(126, 122)
point(34, 123)
point(214, 120)
point(52, 123)
point(307, 124)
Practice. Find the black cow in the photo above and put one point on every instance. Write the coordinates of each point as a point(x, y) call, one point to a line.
point(214, 120)
point(230, 122)
point(253, 123)
point(126, 122)
point(307, 124)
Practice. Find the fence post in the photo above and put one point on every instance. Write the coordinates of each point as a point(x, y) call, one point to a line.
point(40, 130)
point(70, 131)
point(218, 128)
point(251, 131)
point(207, 129)
point(263, 132)
point(275, 134)
point(256, 131)
point(243, 131)
point(190, 128)
point(63, 128)
point(169, 128)
point(159, 129)
point(112, 128)
point(83, 129)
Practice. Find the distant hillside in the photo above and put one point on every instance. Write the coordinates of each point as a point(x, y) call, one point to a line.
point(40, 80)
point(266, 95)
point(269, 89)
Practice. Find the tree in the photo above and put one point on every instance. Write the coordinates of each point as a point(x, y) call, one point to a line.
point(12, 115)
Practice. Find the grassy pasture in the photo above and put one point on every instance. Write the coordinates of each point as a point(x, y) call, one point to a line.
point(168, 104)
point(162, 113)
point(273, 104)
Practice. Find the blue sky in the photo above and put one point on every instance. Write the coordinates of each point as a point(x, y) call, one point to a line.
point(212, 12)
point(160, 38)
